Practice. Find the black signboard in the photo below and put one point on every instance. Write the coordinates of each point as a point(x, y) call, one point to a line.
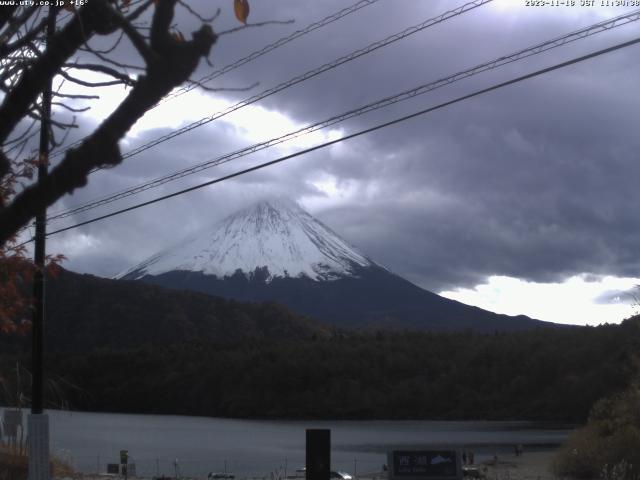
point(424, 464)
point(318, 454)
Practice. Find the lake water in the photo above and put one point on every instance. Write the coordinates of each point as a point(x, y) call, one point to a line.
point(194, 446)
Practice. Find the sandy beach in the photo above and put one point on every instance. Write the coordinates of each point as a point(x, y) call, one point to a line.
point(528, 466)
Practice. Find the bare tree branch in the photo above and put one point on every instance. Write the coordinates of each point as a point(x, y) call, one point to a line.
point(95, 67)
point(257, 24)
point(139, 11)
point(110, 61)
point(63, 44)
point(137, 40)
point(197, 15)
point(88, 48)
point(6, 49)
point(69, 108)
point(74, 96)
point(23, 135)
point(171, 65)
point(86, 83)
point(6, 13)
point(15, 23)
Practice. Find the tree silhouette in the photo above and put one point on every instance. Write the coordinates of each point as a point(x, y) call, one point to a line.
point(31, 58)
point(168, 60)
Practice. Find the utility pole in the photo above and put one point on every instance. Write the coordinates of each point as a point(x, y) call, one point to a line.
point(38, 422)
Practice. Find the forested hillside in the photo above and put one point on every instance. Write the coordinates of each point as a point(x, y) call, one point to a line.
point(554, 374)
point(85, 312)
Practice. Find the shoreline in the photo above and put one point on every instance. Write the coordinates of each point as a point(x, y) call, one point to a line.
point(533, 465)
point(530, 465)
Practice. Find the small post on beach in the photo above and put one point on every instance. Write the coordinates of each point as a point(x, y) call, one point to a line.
point(124, 461)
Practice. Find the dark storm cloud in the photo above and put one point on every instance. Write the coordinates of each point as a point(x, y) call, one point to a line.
point(499, 186)
point(146, 230)
point(535, 181)
point(513, 193)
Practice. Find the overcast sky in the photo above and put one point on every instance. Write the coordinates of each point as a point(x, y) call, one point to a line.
point(522, 200)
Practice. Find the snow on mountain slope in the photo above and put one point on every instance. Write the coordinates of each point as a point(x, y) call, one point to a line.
point(276, 234)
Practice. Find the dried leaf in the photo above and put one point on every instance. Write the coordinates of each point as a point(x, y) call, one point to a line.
point(178, 36)
point(241, 9)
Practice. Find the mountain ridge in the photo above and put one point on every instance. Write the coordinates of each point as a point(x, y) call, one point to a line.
point(85, 312)
point(320, 275)
point(275, 233)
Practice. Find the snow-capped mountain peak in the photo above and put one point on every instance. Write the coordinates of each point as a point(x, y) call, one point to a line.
point(277, 234)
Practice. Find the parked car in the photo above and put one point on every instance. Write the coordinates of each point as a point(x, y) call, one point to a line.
point(340, 475)
point(337, 475)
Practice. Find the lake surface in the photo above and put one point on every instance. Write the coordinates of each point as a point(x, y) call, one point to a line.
point(194, 446)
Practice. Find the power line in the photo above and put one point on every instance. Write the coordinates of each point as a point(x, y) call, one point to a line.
point(252, 56)
point(309, 74)
point(312, 73)
point(408, 94)
point(356, 134)
point(277, 44)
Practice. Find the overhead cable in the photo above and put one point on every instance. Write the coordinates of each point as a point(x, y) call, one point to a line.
point(354, 135)
point(272, 46)
point(308, 75)
point(252, 56)
point(406, 95)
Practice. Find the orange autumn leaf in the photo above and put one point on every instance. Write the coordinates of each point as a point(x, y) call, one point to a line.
point(178, 36)
point(241, 9)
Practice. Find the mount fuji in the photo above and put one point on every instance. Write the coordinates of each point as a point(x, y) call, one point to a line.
point(275, 237)
point(276, 251)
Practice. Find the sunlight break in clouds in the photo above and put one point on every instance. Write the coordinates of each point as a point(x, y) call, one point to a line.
point(251, 123)
point(573, 301)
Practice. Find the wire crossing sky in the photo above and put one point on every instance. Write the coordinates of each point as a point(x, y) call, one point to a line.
point(406, 95)
point(357, 134)
point(272, 46)
point(255, 55)
point(522, 201)
point(311, 74)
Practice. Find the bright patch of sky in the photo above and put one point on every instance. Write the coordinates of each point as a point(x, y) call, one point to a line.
point(331, 191)
point(251, 123)
point(574, 301)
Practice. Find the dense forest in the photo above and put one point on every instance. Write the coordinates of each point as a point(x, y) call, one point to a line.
point(545, 374)
point(85, 312)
